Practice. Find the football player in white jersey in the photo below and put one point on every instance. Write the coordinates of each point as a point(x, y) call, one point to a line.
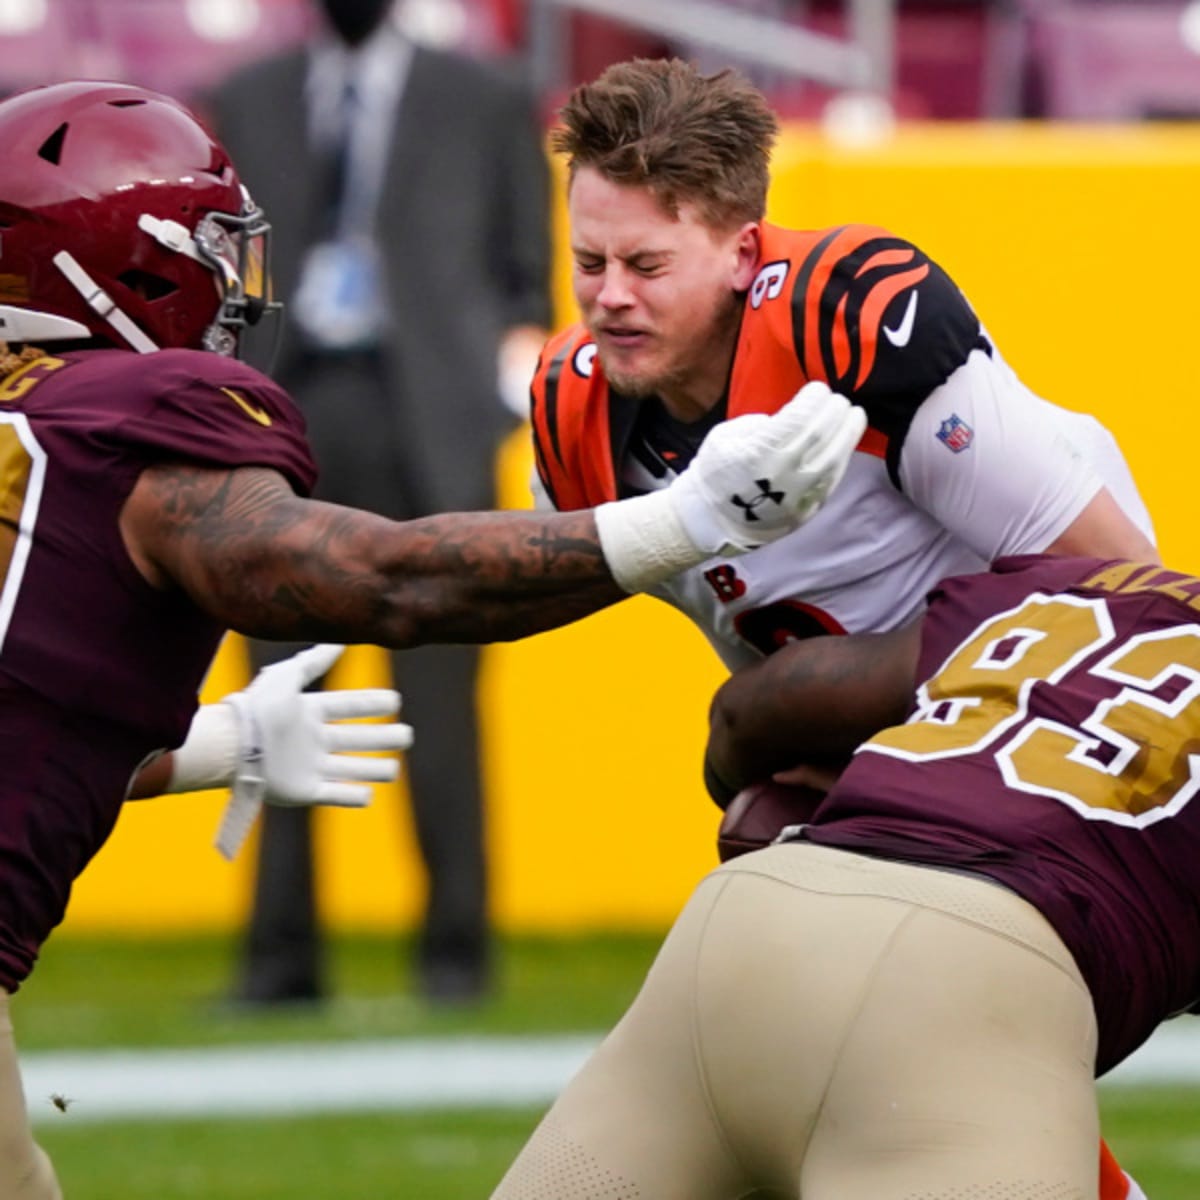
point(695, 310)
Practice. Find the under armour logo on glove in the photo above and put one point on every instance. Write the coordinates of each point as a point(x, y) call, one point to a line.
point(765, 493)
point(704, 511)
point(794, 457)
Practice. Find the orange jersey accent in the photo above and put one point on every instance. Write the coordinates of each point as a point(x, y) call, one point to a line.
point(1114, 1184)
point(570, 419)
point(856, 307)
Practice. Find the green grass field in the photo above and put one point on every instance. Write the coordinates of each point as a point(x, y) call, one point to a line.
point(106, 994)
point(102, 993)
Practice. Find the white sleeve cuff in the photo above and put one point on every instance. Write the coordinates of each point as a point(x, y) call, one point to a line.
point(644, 541)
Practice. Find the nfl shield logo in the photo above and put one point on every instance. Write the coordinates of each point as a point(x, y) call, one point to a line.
point(955, 433)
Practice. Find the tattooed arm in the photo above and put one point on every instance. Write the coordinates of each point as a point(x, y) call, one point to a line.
point(813, 700)
point(254, 555)
point(270, 564)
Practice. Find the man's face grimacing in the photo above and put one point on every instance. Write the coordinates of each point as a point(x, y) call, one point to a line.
point(661, 295)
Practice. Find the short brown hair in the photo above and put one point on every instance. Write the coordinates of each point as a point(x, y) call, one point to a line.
point(689, 138)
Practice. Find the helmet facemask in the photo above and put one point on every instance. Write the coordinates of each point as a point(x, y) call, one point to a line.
point(237, 250)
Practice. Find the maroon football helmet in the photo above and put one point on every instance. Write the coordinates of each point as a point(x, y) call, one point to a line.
point(122, 221)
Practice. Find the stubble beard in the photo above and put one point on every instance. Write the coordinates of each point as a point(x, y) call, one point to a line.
point(684, 366)
point(636, 387)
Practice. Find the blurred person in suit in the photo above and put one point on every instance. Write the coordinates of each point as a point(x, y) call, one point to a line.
point(410, 196)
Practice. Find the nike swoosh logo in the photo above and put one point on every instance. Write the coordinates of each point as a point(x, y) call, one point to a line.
point(900, 335)
point(252, 411)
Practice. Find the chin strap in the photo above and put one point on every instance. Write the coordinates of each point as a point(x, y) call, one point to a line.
point(173, 236)
point(100, 302)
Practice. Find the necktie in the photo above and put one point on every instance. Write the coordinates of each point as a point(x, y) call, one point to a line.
point(340, 302)
point(340, 177)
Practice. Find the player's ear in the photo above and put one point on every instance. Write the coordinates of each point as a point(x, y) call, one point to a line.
point(747, 249)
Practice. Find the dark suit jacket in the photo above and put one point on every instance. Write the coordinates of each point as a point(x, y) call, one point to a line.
point(463, 224)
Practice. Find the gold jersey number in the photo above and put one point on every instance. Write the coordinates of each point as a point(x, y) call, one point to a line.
point(22, 474)
point(1129, 761)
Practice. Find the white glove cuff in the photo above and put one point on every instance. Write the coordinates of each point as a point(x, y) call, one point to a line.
point(209, 756)
point(248, 784)
point(645, 542)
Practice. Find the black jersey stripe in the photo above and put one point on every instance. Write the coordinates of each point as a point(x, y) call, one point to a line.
point(846, 285)
point(800, 297)
point(539, 462)
point(553, 376)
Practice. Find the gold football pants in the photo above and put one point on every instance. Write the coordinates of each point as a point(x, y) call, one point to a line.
point(829, 1026)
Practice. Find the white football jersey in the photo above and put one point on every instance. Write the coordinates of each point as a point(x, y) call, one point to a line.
point(961, 463)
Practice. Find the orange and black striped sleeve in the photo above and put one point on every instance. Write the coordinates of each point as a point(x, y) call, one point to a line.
point(880, 322)
point(553, 423)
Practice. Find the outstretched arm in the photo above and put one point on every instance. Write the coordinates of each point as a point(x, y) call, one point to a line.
point(267, 563)
point(814, 700)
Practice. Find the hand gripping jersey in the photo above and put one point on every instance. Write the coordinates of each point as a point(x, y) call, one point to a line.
point(960, 463)
point(97, 668)
point(1053, 749)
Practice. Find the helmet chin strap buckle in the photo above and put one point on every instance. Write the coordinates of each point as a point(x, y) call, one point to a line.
point(100, 302)
point(172, 235)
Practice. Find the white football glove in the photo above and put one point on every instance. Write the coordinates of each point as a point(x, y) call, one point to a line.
point(754, 479)
point(276, 743)
point(758, 477)
point(290, 751)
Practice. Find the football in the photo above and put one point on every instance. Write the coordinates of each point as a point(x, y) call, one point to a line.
point(757, 813)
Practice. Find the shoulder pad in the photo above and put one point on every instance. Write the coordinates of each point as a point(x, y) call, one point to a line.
point(879, 321)
point(201, 407)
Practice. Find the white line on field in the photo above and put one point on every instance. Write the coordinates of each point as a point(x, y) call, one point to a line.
point(392, 1075)
point(483, 1072)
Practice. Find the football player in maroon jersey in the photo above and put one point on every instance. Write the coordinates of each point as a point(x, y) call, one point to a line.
point(152, 495)
point(996, 903)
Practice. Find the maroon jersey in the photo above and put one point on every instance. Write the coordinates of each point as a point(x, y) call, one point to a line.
point(97, 668)
point(1055, 748)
